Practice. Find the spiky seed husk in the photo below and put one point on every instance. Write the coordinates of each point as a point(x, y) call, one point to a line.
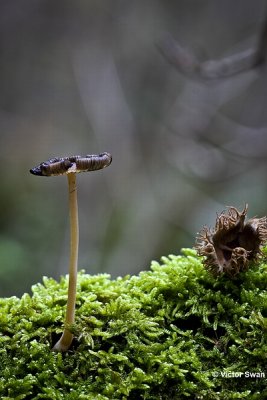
point(232, 243)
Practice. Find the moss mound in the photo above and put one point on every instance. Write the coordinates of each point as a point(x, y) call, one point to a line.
point(173, 332)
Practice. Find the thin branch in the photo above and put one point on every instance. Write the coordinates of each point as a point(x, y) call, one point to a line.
point(188, 64)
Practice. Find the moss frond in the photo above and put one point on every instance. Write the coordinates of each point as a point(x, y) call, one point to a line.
point(169, 333)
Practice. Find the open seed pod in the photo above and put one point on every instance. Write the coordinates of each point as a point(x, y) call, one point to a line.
point(233, 242)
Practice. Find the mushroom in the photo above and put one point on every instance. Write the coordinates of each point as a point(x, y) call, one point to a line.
point(70, 166)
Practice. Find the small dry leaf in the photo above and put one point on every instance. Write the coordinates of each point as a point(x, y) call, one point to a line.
point(233, 242)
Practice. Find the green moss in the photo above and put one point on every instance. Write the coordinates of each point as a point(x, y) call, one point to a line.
point(164, 334)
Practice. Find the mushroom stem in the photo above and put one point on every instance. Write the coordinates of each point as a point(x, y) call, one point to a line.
point(65, 341)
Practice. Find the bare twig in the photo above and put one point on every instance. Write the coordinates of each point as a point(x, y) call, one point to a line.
point(187, 63)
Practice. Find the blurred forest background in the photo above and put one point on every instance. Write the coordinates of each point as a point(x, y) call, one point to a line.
point(83, 77)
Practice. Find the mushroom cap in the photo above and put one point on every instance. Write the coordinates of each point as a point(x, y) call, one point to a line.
point(73, 164)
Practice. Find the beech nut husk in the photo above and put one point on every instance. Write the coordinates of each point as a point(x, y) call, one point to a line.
point(232, 243)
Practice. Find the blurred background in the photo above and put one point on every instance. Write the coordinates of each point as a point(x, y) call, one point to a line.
point(83, 77)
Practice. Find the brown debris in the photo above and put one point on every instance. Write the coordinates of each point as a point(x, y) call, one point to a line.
point(233, 243)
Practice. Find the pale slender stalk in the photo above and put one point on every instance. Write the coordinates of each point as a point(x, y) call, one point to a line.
point(66, 339)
